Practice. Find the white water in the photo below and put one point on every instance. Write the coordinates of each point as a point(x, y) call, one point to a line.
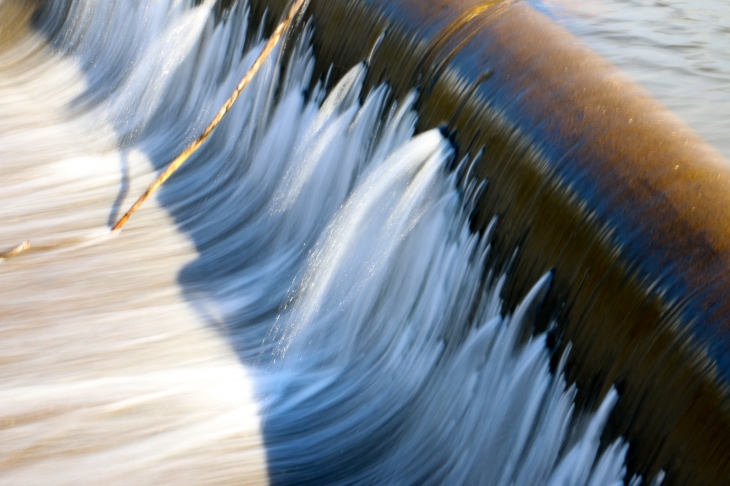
point(303, 300)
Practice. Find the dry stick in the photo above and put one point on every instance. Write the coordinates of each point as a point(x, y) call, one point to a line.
point(180, 159)
point(16, 250)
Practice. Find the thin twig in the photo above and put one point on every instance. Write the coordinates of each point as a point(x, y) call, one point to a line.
point(180, 159)
point(16, 250)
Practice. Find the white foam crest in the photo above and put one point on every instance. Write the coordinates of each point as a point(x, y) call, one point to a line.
point(329, 246)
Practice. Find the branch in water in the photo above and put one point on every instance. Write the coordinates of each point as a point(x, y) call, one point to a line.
point(16, 250)
point(190, 150)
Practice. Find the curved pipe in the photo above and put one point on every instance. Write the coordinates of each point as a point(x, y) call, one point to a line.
point(590, 177)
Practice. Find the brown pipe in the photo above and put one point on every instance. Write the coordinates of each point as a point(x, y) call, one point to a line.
point(590, 177)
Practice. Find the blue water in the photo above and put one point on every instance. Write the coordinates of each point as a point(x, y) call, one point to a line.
point(327, 249)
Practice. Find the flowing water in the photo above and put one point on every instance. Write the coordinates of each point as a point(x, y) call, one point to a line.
point(679, 50)
point(303, 302)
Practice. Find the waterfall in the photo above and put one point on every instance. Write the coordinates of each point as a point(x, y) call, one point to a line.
point(304, 301)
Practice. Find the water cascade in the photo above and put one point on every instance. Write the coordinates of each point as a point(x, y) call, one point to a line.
point(380, 269)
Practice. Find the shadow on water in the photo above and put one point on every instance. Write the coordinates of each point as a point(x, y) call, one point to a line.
point(243, 271)
point(116, 210)
point(341, 405)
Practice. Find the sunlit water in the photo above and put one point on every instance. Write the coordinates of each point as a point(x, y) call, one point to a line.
point(679, 50)
point(303, 300)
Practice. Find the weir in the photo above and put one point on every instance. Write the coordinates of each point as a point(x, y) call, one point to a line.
point(594, 180)
point(403, 310)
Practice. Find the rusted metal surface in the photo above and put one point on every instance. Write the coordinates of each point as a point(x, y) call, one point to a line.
point(591, 177)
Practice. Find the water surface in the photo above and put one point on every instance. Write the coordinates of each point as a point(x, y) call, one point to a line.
point(679, 50)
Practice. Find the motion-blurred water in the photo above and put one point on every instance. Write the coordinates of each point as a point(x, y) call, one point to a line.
point(303, 301)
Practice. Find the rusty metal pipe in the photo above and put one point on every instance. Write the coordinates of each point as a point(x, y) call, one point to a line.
point(591, 177)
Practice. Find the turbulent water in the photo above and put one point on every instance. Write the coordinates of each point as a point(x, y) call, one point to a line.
point(303, 302)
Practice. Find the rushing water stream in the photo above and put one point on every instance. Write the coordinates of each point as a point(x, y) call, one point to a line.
point(304, 301)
